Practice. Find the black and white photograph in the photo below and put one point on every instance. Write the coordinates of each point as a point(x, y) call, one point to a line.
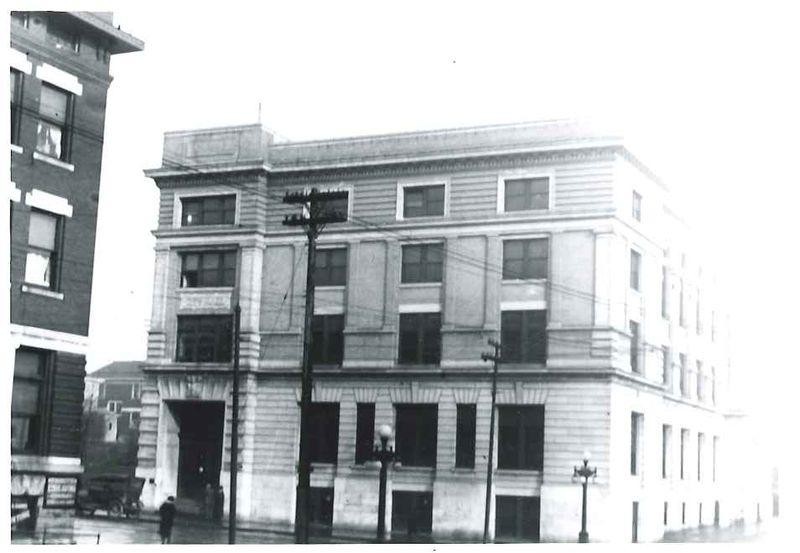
point(424, 273)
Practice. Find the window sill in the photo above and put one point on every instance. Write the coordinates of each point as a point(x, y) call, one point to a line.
point(539, 280)
point(53, 161)
point(200, 289)
point(421, 284)
point(17, 149)
point(39, 291)
point(517, 472)
point(422, 217)
point(537, 210)
point(334, 287)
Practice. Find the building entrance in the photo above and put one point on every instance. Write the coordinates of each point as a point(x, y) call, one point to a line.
point(200, 434)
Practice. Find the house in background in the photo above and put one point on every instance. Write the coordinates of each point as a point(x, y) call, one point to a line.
point(111, 408)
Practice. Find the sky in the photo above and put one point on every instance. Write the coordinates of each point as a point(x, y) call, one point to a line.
point(706, 92)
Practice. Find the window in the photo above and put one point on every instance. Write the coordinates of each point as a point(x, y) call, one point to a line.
point(634, 350)
point(517, 518)
point(323, 426)
point(636, 206)
point(713, 385)
point(664, 307)
point(635, 522)
point(30, 369)
point(684, 442)
point(16, 104)
point(365, 431)
point(524, 194)
point(701, 442)
point(520, 437)
point(208, 269)
point(636, 268)
point(204, 338)
point(44, 244)
point(53, 127)
point(465, 435)
point(524, 336)
point(412, 513)
point(420, 338)
point(336, 208)
point(525, 259)
point(714, 446)
point(114, 407)
point(637, 421)
point(136, 391)
point(422, 263)
point(327, 345)
point(683, 513)
point(64, 39)
point(666, 446)
point(666, 512)
point(699, 384)
point(423, 201)
point(208, 210)
point(330, 268)
point(684, 380)
point(665, 370)
point(682, 314)
point(416, 435)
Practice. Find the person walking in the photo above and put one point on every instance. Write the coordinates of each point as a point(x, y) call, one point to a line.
point(166, 515)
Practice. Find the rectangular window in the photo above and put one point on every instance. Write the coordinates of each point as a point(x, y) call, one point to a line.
point(683, 513)
point(520, 437)
point(63, 38)
point(30, 369)
point(420, 338)
point(465, 435)
point(42, 263)
point(327, 344)
point(699, 384)
point(636, 206)
point(682, 313)
point(635, 523)
point(664, 291)
point(701, 442)
point(208, 269)
point(423, 201)
point(412, 513)
point(525, 194)
point(684, 442)
point(524, 336)
point(334, 208)
point(53, 126)
point(636, 269)
point(422, 263)
point(208, 210)
point(517, 518)
point(16, 104)
point(637, 420)
point(136, 391)
point(635, 338)
point(666, 447)
point(204, 338)
point(713, 385)
point(324, 432)
point(684, 377)
point(525, 259)
point(714, 446)
point(666, 512)
point(365, 431)
point(415, 438)
point(331, 267)
point(665, 369)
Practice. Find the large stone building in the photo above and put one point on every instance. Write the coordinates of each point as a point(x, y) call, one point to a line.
point(548, 236)
point(59, 81)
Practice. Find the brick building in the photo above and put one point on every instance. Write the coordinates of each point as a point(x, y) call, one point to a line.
point(548, 236)
point(59, 81)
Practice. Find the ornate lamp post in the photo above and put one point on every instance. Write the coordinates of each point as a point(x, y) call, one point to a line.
point(385, 455)
point(584, 472)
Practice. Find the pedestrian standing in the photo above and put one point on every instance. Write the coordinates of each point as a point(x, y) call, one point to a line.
point(219, 503)
point(209, 503)
point(166, 514)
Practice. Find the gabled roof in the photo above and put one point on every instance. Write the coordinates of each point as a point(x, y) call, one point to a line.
point(120, 369)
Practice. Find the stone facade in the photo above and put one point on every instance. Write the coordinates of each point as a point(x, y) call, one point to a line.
point(588, 385)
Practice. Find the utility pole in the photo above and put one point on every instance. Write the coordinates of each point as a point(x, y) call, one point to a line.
point(237, 316)
point(495, 358)
point(319, 211)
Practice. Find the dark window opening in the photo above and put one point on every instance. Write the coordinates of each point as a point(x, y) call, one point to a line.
point(412, 513)
point(31, 368)
point(525, 259)
point(16, 104)
point(204, 338)
point(524, 336)
point(321, 503)
point(636, 436)
point(422, 263)
point(465, 435)
point(327, 344)
point(420, 338)
point(53, 133)
point(517, 518)
point(208, 210)
point(331, 267)
point(365, 432)
point(520, 437)
point(423, 201)
point(208, 269)
point(416, 434)
point(527, 193)
point(324, 432)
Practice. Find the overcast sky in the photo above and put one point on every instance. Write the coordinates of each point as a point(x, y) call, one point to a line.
point(707, 92)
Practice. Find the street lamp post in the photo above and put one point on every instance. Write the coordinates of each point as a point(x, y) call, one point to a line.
point(584, 472)
point(385, 455)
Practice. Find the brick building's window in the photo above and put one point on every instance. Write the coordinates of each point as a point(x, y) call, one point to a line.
point(208, 210)
point(637, 428)
point(208, 269)
point(422, 263)
point(16, 104)
point(520, 437)
point(412, 513)
point(30, 377)
point(684, 443)
point(417, 430)
point(666, 448)
point(636, 270)
point(324, 432)
point(53, 131)
point(331, 267)
point(423, 201)
point(327, 345)
point(636, 206)
point(517, 518)
point(465, 435)
point(420, 338)
point(525, 259)
point(43, 259)
point(524, 336)
point(523, 194)
point(365, 431)
point(204, 338)
point(634, 350)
